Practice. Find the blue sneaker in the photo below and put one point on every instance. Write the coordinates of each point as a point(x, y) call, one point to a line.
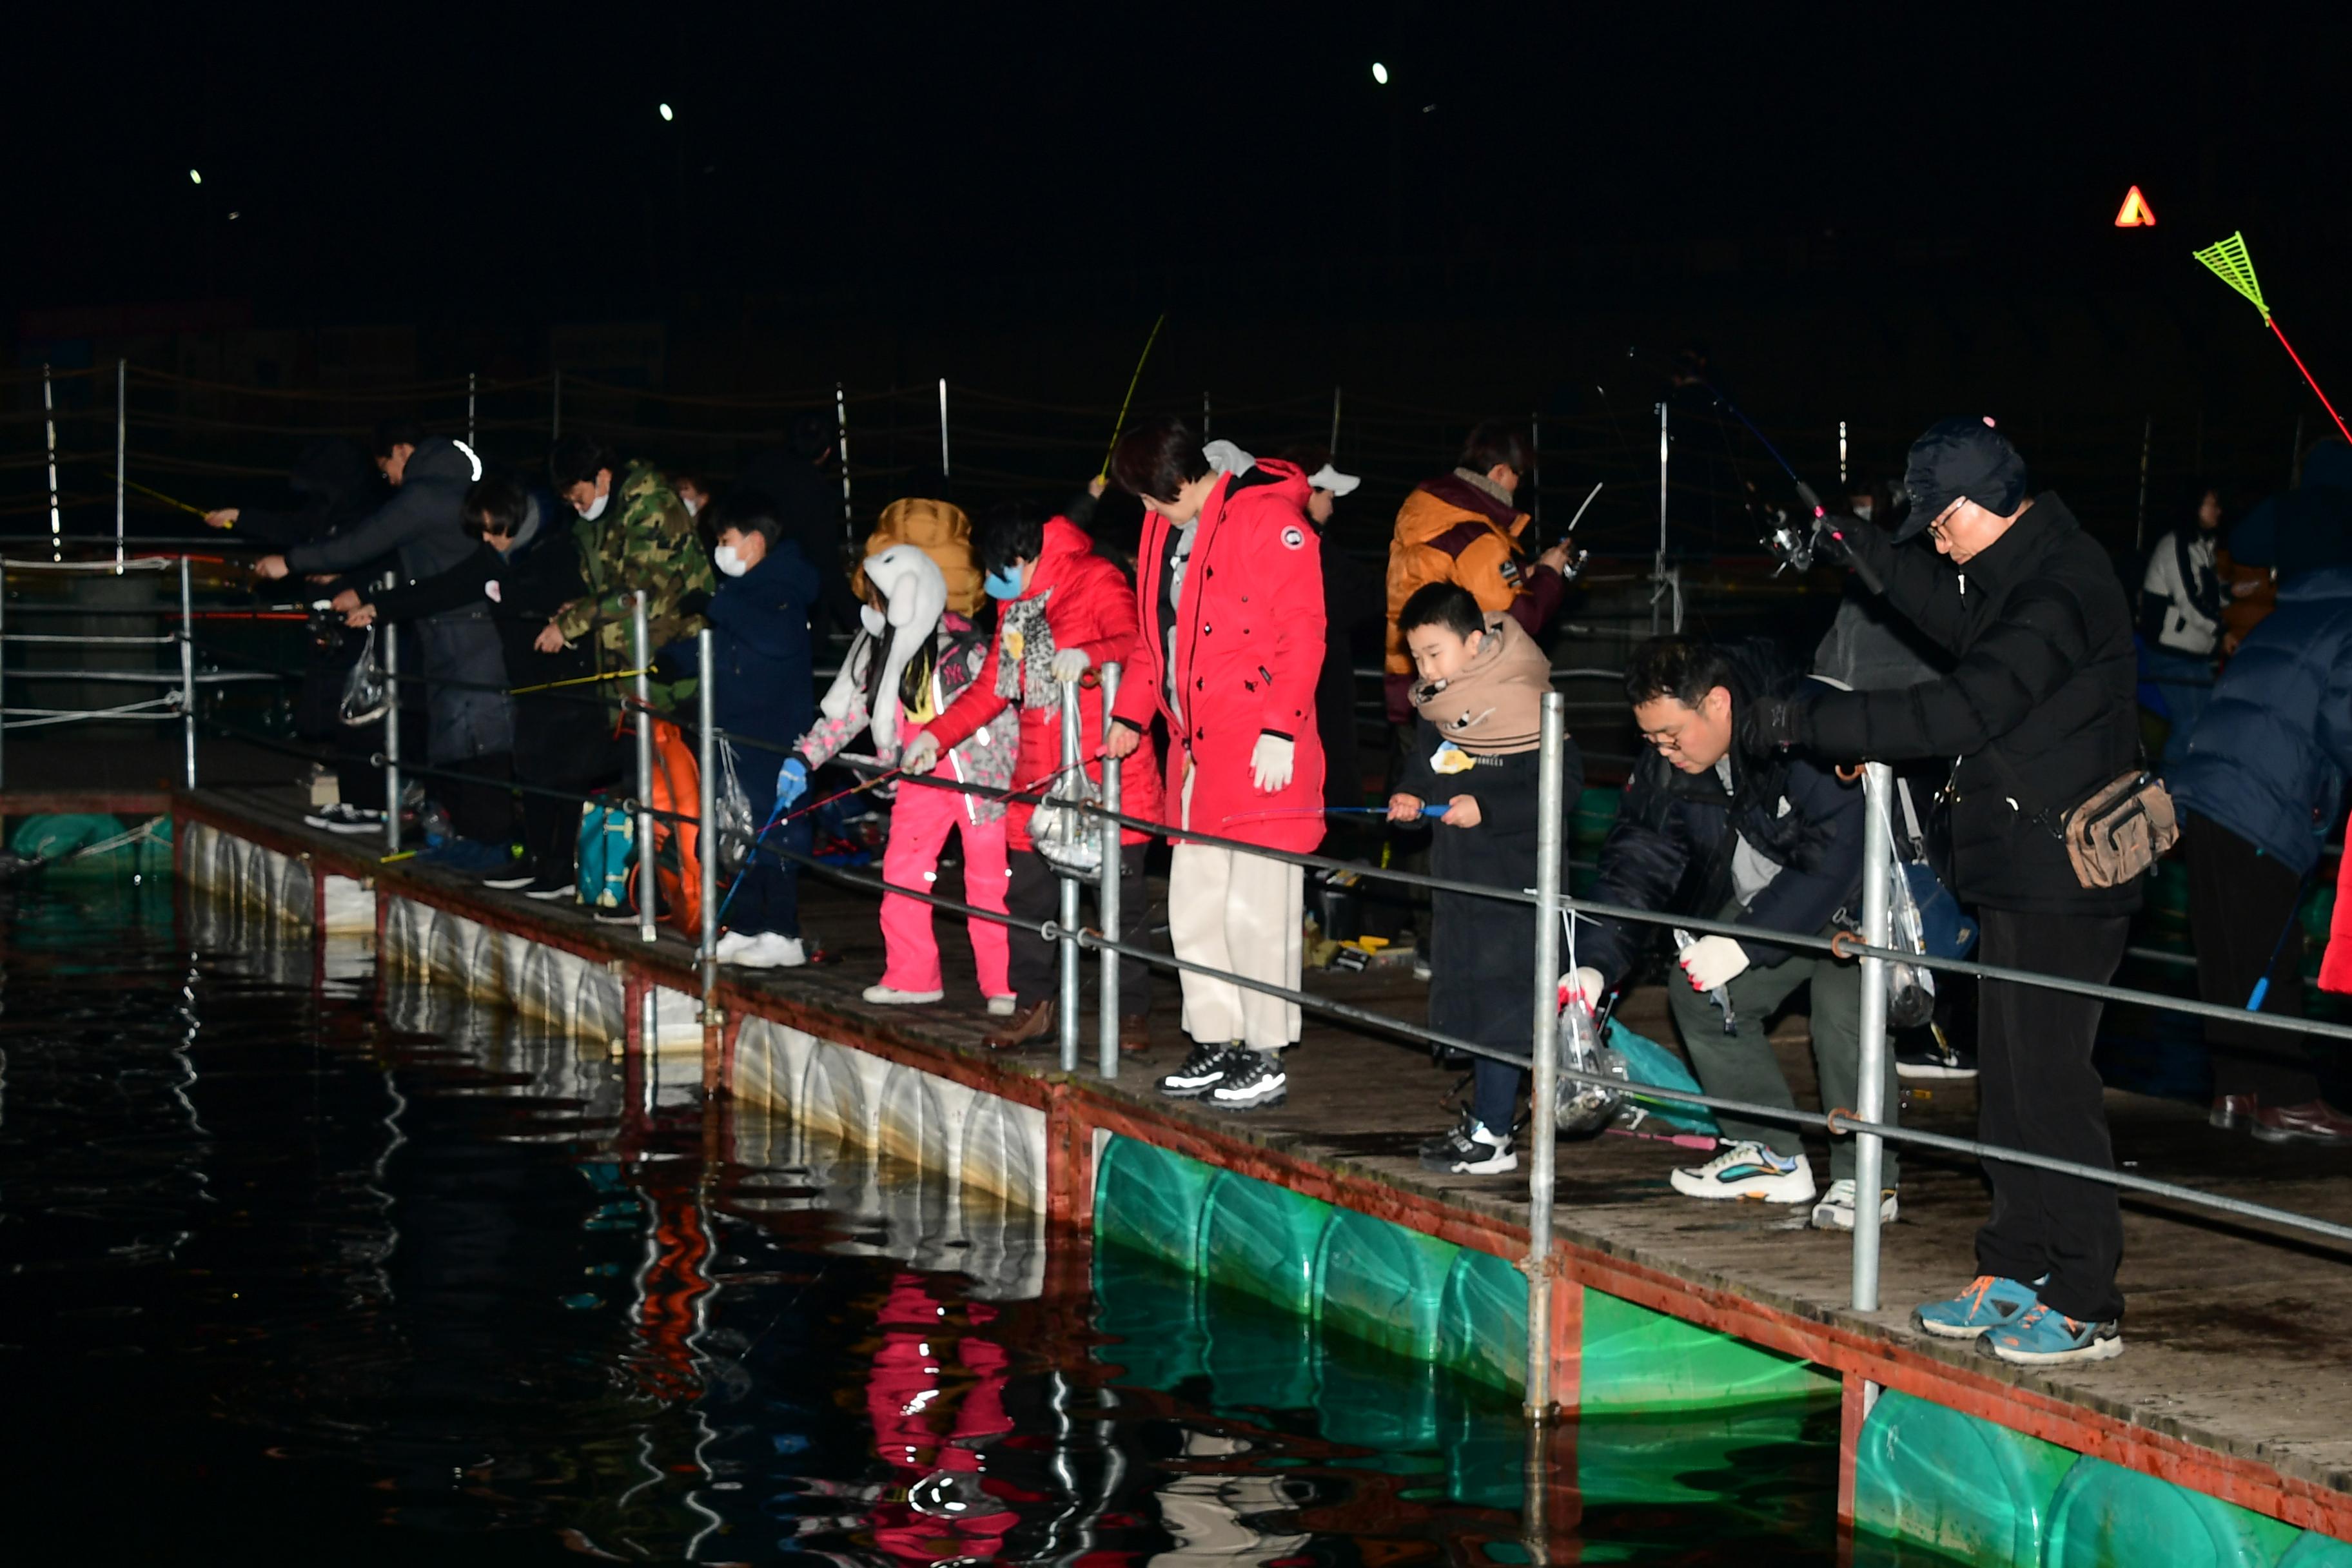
point(2044, 1338)
point(1989, 1302)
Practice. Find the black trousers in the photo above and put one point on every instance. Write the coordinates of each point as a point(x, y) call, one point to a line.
point(2037, 1090)
point(1034, 893)
point(551, 829)
point(2242, 906)
point(481, 804)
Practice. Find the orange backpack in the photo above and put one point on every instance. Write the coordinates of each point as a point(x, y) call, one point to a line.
point(678, 859)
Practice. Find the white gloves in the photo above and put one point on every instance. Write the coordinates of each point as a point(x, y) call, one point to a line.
point(1270, 764)
point(921, 755)
point(1070, 663)
point(1584, 986)
point(1713, 961)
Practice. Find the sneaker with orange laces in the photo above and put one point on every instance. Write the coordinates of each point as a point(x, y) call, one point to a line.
point(1989, 1302)
point(2044, 1338)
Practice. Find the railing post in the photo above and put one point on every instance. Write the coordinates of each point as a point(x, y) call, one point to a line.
point(1106, 899)
point(390, 728)
point(3, 670)
point(944, 467)
point(648, 893)
point(470, 411)
point(1068, 1011)
point(1869, 1099)
point(121, 451)
point(841, 448)
point(1658, 573)
point(555, 406)
point(707, 808)
point(188, 673)
point(49, 428)
point(1543, 1088)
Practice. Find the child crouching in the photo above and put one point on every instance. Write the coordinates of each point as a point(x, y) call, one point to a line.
point(1479, 683)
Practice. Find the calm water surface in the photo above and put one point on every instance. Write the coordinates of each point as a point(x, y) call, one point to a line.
point(300, 1264)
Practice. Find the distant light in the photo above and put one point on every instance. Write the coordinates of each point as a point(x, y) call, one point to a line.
point(666, 114)
point(233, 216)
point(1380, 73)
point(2135, 213)
point(194, 178)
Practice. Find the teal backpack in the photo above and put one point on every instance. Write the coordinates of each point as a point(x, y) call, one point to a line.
point(608, 843)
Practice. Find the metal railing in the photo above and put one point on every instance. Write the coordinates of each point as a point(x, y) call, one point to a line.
point(179, 704)
point(1867, 1122)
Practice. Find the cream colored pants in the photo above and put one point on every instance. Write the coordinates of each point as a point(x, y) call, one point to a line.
point(1242, 914)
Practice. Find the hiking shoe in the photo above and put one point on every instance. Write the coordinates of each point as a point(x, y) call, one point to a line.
point(890, 996)
point(546, 888)
point(1749, 1171)
point(1205, 1068)
point(1989, 1302)
point(1934, 1060)
point(341, 818)
point(1253, 1080)
point(1470, 1150)
point(1835, 1211)
point(2044, 1338)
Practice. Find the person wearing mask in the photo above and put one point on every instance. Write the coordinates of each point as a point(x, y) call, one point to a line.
point(1464, 527)
point(2180, 599)
point(767, 693)
point(469, 723)
point(1717, 824)
point(1351, 605)
point(1229, 605)
point(1062, 612)
point(634, 535)
point(2038, 711)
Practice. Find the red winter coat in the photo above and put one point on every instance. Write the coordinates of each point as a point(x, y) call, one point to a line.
point(1248, 649)
point(1090, 607)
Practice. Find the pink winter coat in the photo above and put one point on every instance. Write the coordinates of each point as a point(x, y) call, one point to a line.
point(1248, 649)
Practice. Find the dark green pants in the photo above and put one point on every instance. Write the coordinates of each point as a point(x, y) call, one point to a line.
point(1740, 1065)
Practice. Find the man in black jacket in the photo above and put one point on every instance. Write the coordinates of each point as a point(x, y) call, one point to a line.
point(2038, 713)
point(1717, 823)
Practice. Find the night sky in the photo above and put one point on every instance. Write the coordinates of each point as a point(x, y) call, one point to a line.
point(483, 159)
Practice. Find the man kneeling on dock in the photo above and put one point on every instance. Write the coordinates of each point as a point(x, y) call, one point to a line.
point(1719, 825)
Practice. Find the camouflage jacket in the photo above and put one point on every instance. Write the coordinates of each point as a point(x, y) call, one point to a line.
point(645, 540)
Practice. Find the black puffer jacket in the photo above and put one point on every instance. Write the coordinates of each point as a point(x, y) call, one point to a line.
point(1671, 848)
point(2037, 714)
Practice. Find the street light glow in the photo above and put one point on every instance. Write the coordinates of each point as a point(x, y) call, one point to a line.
point(194, 178)
point(1380, 73)
point(665, 114)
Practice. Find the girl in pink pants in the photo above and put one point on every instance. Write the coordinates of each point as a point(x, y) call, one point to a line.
point(914, 658)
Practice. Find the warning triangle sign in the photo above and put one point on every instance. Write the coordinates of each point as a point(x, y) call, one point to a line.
point(2135, 213)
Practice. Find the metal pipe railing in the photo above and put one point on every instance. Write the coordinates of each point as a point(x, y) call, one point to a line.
point(188, 673)
point(1543, 1085)
point(1107, 899)
point(648, 895)
point(706, 805)
point(391, 731)
point(1067, 1013)
point(1869, 1095)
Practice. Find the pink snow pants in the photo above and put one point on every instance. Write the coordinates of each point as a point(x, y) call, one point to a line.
point(919, 821)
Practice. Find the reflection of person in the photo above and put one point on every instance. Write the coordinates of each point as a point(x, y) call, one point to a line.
point(1229, 593)
point(2039, 711)
point(936, 1438)
point(1219, 1520)
point(1480, 702)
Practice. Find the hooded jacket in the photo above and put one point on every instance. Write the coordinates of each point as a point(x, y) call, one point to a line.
point(422, 524)
point(645, 540)
point(1081, 600)
point(1241, 648)
point(939, 531)
point(760, 643)
point(2037, 713)
point(334, 486)
point(1676, 834)
point(1450, 530)
point(2268, 758)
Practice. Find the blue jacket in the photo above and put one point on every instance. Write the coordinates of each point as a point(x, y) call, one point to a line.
point(2268, 757)
point(760, 642)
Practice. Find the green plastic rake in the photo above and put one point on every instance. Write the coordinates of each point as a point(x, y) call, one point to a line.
point(2228, 260)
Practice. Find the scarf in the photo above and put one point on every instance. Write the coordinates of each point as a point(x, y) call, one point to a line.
point(1494, 707)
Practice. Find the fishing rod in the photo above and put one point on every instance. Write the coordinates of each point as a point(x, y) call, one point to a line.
point(1433, 808)
point(1128, 401)
point(168, 500)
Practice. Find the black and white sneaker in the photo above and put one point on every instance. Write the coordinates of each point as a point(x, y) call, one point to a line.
point(1254, 1080)
point(1935, 1059)
point(341, 818)
point(1205, 1068)
point(547, 888)
point(511, 879)
point(1470, 1150)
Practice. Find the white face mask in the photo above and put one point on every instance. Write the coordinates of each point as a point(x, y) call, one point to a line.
point(597, 508)
point(727, 561)
point(1862, 508)
point(693, 507)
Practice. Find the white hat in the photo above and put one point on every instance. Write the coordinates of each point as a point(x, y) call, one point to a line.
point(1328, 477)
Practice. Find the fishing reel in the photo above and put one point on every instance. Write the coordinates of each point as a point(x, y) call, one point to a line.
point(1790, 542)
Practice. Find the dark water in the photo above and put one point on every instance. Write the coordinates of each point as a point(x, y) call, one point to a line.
point(302, 1266)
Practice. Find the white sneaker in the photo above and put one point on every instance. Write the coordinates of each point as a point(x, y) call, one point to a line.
point(732, 946)
point(1835, 1211)
point(1749, 1171)
point(884, 996)
point(1003, 1006)
point(772, 950)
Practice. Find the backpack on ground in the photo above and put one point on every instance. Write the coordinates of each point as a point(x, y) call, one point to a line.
point(608, 846)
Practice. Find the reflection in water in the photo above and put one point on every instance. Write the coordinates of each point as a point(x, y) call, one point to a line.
point(302, 1259)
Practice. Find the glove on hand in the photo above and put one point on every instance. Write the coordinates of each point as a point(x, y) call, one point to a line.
point(1713, 961)
point(1270, 764)
point(921, 755)
point(1585, 985)
point(1070, 663)
point(1830, 538)
point(792, 783)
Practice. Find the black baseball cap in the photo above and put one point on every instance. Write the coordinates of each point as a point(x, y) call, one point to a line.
point(1960, 458)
